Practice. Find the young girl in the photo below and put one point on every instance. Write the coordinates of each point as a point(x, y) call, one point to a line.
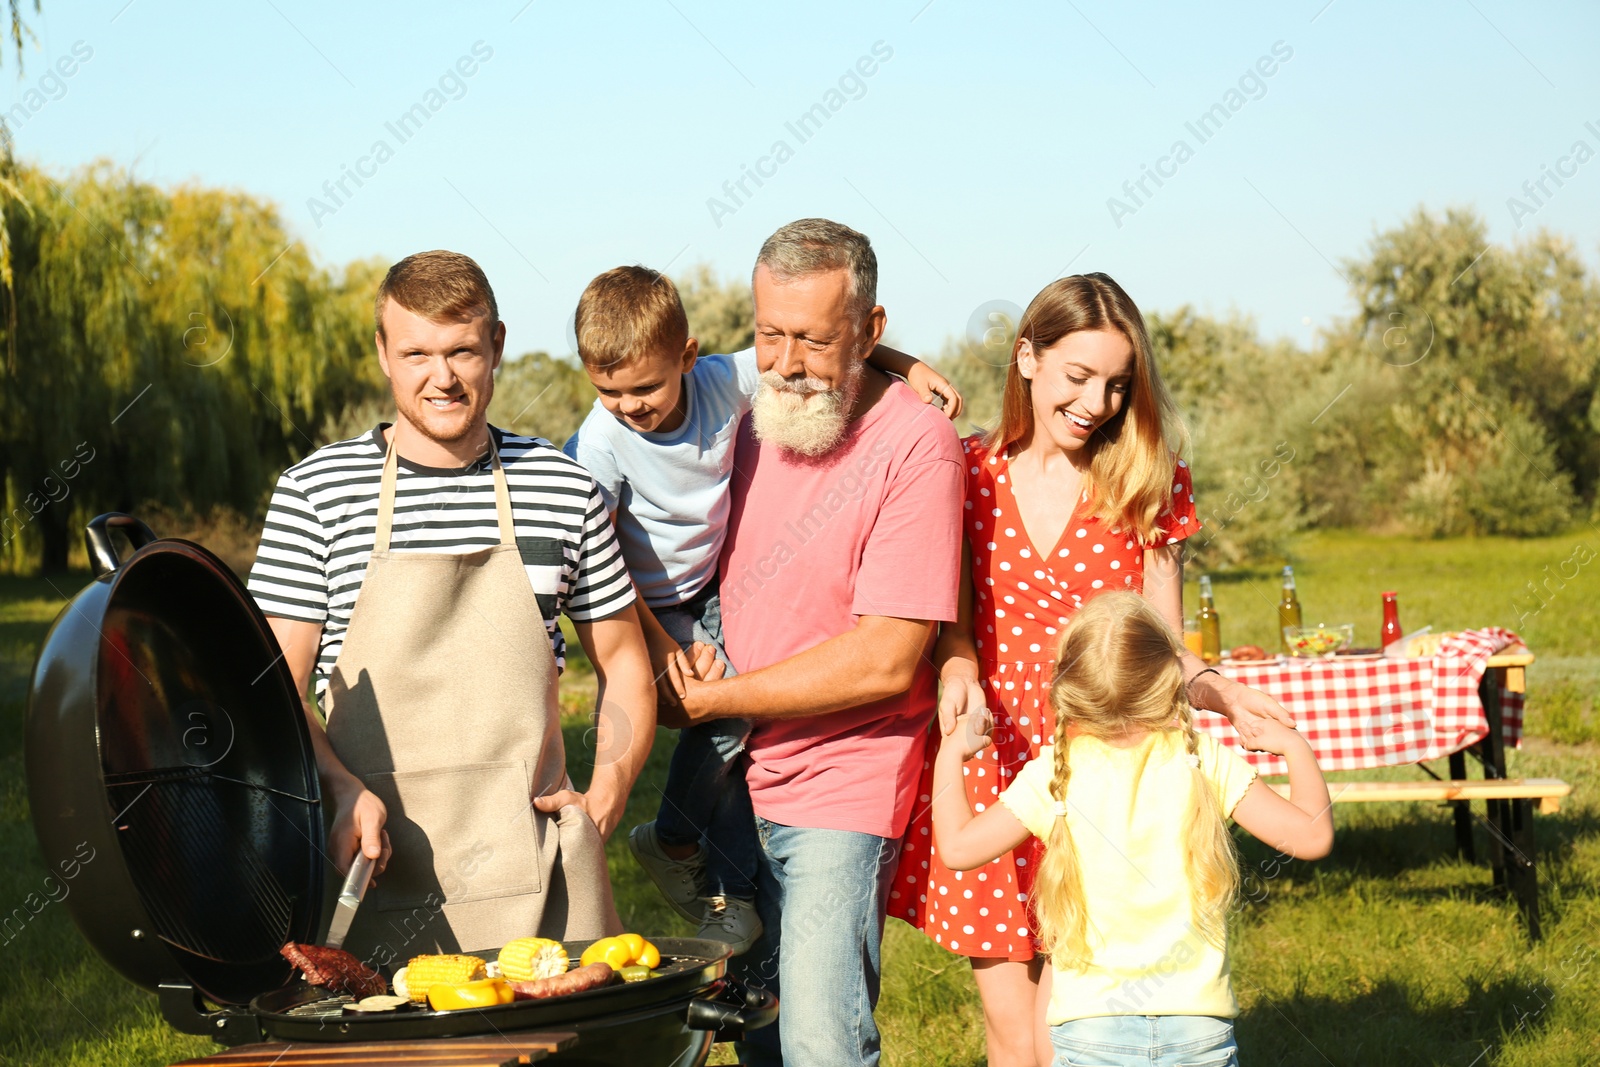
point(1078, 491)
point(1138, 871)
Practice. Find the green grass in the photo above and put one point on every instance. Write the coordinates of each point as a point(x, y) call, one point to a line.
point(1389, 952)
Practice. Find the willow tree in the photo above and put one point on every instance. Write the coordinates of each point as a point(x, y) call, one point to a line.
point(173, 347)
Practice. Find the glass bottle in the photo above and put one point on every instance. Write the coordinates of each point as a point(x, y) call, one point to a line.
point(1391, 620)
point(1210, 624)
point(1288, 609)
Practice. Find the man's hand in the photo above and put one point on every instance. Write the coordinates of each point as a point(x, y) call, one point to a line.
point(680, 690)
point(358, 824)
point(604, 809)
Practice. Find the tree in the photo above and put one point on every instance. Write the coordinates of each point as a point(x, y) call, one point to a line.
point(721, 314)
point(542, 396)
point(1490, 356)
point(19, 28)
point(1247, 406)
point(173, 348)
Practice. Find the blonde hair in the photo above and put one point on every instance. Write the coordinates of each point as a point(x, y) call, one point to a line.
point(1119, 669)
point(1133, 455)
point(437, 285)
point(629, 313)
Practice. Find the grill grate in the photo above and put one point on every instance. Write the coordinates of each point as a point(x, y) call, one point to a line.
point(201, 878)
point(326, 1008)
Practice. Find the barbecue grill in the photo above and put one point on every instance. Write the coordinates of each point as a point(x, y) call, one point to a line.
point(164, 732)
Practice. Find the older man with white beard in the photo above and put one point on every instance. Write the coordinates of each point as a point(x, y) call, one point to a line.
point(843, 557)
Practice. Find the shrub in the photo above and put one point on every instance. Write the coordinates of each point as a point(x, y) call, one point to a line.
point(1521, 491)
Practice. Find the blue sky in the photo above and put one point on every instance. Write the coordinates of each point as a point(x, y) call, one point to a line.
point(979, 153)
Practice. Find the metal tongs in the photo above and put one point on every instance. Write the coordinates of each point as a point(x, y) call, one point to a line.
point(354, 888)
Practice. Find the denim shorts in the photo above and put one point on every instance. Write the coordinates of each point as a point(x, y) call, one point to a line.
point(1145, 1041)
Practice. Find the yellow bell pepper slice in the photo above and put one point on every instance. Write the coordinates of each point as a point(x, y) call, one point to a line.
point(612, 951)
point(483, 993)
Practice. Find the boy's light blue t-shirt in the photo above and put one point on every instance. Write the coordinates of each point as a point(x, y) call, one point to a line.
point(670, 490)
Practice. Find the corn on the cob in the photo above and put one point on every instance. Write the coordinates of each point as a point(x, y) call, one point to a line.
point(424, 972)
point(528, 958)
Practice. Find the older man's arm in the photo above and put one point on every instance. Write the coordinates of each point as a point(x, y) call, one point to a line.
point(626, 711)
point(875, 660)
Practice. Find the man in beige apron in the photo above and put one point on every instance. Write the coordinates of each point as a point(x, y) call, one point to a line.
point(443, 736)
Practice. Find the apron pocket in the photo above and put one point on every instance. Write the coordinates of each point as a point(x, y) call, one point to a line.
point(459, 834)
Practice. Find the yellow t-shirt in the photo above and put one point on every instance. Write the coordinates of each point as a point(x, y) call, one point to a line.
point(1127, 808)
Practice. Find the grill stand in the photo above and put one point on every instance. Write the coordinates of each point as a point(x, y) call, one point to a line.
point(185, 1010)
point(730, 1011)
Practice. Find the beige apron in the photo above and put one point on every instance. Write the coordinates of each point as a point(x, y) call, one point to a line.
point(443, 702)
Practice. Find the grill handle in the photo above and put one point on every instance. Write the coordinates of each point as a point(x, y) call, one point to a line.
point(103, 556)
point(186, 1011)
point(733, 1011)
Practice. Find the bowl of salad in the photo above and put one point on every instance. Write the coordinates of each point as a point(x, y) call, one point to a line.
point(1315, 642)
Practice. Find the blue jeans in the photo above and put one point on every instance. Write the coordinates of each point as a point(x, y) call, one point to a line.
point(822, 896)
point(1145, 1041)
point(705, 795)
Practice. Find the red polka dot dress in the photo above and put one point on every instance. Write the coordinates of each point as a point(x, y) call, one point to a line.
point(1023, 597)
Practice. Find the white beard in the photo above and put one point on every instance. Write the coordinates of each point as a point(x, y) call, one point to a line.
point(804, 416)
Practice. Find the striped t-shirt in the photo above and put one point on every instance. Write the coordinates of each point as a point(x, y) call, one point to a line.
point(320, 532)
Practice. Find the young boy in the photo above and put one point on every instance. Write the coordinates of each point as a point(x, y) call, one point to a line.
point(660, 444)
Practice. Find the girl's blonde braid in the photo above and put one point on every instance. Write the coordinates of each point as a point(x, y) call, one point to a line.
point(1213, 861)
point(1059, 906)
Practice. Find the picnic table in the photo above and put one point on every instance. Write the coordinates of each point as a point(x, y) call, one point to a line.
point(1360, 712)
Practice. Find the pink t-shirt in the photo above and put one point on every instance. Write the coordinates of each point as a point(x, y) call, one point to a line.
point(873, 528)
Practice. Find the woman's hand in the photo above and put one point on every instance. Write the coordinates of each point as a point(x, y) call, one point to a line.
point(1249, 710)
point(928, 382)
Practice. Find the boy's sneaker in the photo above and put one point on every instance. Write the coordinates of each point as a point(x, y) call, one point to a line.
point(731, 920)
point(680, 881)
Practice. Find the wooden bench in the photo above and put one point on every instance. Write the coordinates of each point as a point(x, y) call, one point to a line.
point(1511, 832)
point(1547, 791)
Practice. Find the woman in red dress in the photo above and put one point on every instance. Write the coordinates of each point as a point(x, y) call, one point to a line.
point(1078, 490)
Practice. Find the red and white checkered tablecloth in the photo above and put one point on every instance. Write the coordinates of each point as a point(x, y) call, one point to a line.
point(1379, 712)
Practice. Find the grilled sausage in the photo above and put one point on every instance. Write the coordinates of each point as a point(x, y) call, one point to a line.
point(1249, 652)
point(594, 976)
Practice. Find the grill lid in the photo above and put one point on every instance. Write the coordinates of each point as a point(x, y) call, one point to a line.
point(164, 733)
